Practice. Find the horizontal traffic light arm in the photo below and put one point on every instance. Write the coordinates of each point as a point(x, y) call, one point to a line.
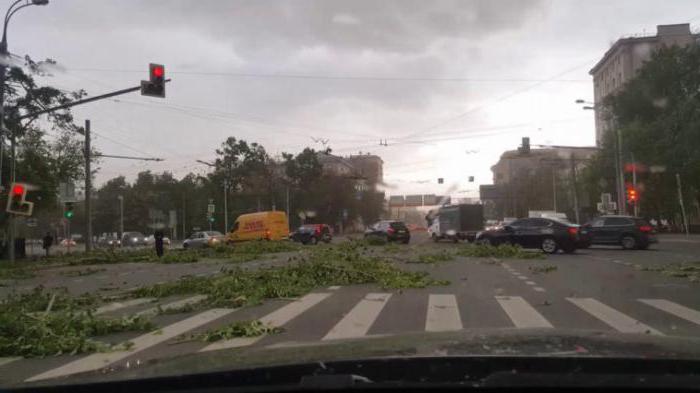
point(83, 101)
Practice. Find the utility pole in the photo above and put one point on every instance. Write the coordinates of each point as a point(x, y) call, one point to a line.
point(225, 205)
point(680, 200)
point(288, 224)
point(574, 189)
point(121, 216)
point(184, 214)
point(635, 204)
point(620, 176)
point(554, 188)
point(88, 189)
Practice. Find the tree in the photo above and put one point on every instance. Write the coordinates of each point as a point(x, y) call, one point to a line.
point(658, 115)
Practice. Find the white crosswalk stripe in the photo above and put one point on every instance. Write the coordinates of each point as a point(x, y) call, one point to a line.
point(173, 305)
point(99, 360)
point(8, 360)
point(612, 317)
point(275, 319)
point(360, 319)
point(521, 313)
point(675, 309)
point(119, 305)
point(443, 314)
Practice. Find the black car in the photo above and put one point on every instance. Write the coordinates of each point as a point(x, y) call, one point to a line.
point(390, 230)
point(626, 231)
point(312, 234)
point(548, 234)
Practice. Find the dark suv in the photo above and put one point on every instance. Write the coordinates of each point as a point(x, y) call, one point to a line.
point(390, 230)
point(627, 231)
point(312, 233)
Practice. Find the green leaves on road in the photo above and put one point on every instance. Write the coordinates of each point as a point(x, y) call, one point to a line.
point(236, 329)
point(45, 324)
point(345, 264)
point(500, 251)
point(689, 270)
point(441, 256)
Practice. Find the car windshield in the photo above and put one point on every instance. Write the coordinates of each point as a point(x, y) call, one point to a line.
point(519, 178)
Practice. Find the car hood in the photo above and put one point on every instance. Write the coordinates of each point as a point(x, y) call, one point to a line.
point(486, 343)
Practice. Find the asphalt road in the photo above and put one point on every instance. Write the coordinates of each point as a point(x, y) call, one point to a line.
point(601, 289)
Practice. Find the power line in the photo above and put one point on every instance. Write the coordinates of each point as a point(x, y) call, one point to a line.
point(339, 77)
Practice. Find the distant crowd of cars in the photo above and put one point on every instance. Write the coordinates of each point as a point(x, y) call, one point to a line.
point(546, 233)
point(554, 234)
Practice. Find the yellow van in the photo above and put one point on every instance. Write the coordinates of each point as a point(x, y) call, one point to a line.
point(271, 225)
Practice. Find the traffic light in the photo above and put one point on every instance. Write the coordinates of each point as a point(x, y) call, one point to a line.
point(15, 200)
point(211, 219)
point(632, 195)
point(155, 86)
point(69, 213)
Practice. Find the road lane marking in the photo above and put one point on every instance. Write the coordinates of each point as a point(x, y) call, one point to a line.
point(530, 282)
point(119, 305)
point(8, 360)
point(675, 309)
point(539, 289)
point(358, 321)
point(276, 318)
point(100, 360)
point(124, 274)
point(613, 318)
point(78, 280)
point(334, 287)
point(521, 313)
point(523, 277)
point(102, 277)
point(443, 314)
point(176, 304)
point(505, 265)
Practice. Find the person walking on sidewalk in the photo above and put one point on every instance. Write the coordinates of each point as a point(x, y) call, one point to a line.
point(47, 243)
point(158, 235)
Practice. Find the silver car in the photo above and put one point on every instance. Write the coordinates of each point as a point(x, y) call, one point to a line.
point(133, 239)
point(204, 239)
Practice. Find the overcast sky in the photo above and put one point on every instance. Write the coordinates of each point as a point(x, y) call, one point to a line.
point(449, 85)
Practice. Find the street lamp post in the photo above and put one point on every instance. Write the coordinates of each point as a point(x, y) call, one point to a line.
point(619, 175)
point(209, 164)
point(4, 55)
point(121, 215)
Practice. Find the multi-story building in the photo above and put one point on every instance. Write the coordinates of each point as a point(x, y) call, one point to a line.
point(624, 59)
point(365, 167)
point(534, 179)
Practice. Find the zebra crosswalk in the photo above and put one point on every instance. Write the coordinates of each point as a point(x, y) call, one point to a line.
point(444, 312)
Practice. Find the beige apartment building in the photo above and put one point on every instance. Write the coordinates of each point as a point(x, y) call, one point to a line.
point(624, 59)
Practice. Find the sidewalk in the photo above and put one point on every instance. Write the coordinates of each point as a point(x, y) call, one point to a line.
point(679, 238)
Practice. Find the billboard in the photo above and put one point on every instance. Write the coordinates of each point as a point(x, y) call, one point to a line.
point(396, 200)
point(490, 191)
point(414, 200)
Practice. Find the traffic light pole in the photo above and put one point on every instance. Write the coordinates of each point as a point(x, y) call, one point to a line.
point(88, 189)
point(83, 101)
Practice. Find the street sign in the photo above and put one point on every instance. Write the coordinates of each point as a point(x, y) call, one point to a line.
point(172, 221)
point(66, 192)
point(210, 208)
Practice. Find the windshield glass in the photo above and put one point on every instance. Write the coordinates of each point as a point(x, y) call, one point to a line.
point(319, 172)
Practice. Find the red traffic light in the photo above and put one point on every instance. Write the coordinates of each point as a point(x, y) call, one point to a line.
point(18, 190)
point(158, 71)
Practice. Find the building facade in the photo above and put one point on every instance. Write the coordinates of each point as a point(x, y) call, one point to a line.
point(535, 179)
point(624, 59)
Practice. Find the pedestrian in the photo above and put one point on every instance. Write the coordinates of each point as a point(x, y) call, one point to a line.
point(158, 235)
point(47, 242)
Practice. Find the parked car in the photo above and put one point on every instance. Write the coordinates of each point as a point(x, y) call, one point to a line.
point(626, 231)
point(151, 240)
point(133, 239)
point(270, 225)
point(312, 233)
point(68, 243)
point(108, 241)
point(548, 234)
point(390, 230)
point(204, 239)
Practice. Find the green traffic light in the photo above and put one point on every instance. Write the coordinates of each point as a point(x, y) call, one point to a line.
point(211, 219)
point(69, 214)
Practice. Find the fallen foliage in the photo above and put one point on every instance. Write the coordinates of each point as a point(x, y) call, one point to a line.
point(237, 329)
point(500, 251)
